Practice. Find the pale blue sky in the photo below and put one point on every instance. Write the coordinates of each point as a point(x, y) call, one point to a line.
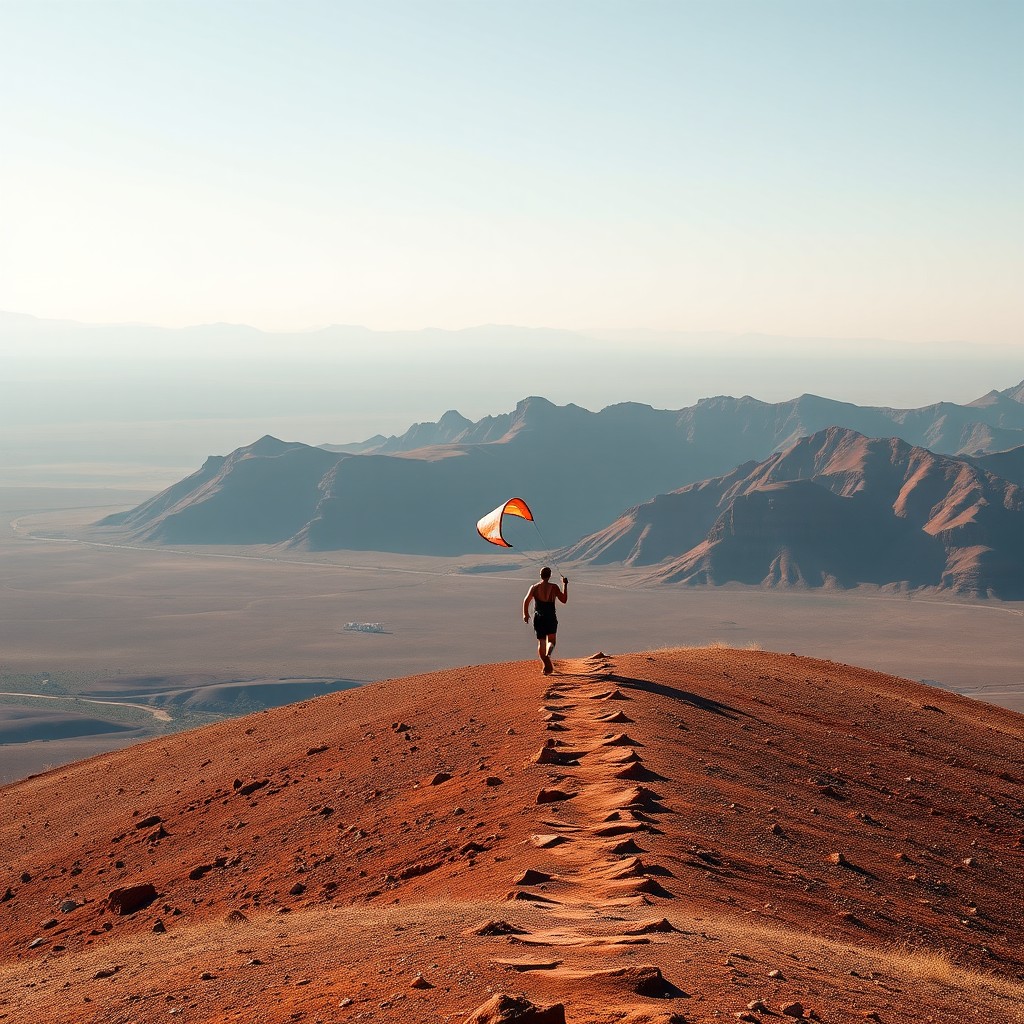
point(800, 167)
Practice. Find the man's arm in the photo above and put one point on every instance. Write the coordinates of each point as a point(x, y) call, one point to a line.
point(526, 605)
point(563, 594)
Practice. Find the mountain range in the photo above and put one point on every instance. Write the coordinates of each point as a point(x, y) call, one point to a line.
point(422, 491)
point(835, 508)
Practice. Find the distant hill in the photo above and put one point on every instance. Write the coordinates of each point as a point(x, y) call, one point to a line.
point(834, 509)
point(422, 491)
point(1009, 465)
point(261, 494)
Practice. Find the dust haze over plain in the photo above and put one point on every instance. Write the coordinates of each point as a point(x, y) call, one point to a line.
point(140, 406)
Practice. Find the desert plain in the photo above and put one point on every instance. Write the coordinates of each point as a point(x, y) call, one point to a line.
point(168, 637)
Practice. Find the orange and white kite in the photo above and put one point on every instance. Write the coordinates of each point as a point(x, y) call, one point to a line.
point(490, 526)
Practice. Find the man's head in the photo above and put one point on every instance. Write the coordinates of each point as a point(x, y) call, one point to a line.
point(545, 574)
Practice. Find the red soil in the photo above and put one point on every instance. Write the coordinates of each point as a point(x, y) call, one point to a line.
point(720, 828)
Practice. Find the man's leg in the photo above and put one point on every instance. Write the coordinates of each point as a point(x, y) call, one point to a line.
point(542, 654)
point(549, 646)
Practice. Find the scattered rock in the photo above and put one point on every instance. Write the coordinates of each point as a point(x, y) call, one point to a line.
point(317, 750)
point(36, 943)
point(159, 927)
point(297, 889)
point(414, 870)
point(532, 877)
point(505, 1009)
point(649, 927)
point(50, 922)
point(236, 917)
point(493, 780)
point(131, 898)
point(153, 819)
point(777, 975)
point(549, 754)
point(550, 796)
point(838, 858)
point(8, 895)
point(792, 1009)
point(548, 840)
point(250, 787)
point(495, 928)
point(439, 778)
point(207, 976)
point(419, 981)
point(25, 877)
point(68, 905)
point(106, 972)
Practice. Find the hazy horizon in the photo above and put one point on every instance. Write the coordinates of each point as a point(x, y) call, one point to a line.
point(137, 406)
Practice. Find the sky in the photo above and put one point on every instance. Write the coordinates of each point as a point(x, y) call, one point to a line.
point(807, 168)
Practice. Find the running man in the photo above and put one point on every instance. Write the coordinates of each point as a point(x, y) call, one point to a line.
point(545, 622)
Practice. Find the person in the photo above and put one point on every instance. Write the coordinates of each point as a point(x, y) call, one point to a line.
point(545, 622)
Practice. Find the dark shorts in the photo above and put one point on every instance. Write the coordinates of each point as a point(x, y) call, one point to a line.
point(544, 626)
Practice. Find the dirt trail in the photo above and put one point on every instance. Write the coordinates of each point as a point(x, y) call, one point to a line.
point(594, 872)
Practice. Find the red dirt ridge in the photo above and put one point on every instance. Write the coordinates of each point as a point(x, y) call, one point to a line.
point(716, 834)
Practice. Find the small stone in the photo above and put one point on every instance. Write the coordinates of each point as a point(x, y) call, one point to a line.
point(131, 898)
point(419, 981)
point(207, 976)
point(792, 1009)
point(297, 889)
point(67, 906)
point(159, 927)
point(345, 1002)
point(776, 974)
point(502, 1008)
point(106, 972)
point(50, 922)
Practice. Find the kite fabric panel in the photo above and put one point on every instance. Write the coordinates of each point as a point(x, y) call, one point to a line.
point(490, 526)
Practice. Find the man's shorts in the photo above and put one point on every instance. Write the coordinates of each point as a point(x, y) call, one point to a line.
point(544, 627)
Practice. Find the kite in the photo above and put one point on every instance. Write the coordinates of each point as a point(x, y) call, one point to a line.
point(490, 526)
